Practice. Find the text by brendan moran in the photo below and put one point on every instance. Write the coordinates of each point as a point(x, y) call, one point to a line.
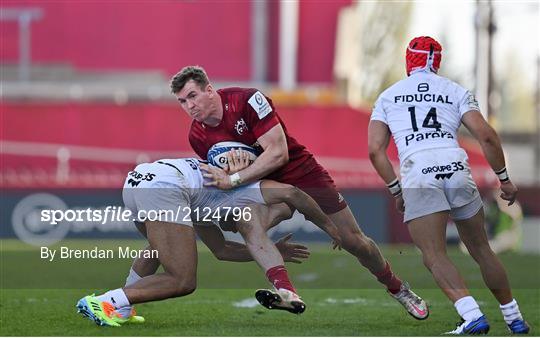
point(65, 252)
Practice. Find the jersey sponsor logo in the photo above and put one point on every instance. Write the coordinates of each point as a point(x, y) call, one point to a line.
point(449, 168)
point(443, 176)
point(260, 104)
point(427, 135)
point(133, 182)
point(472, 102)
point(454, 166)
point(193, 163)
point(427, 97)
point(240, 126)
point(137, 177)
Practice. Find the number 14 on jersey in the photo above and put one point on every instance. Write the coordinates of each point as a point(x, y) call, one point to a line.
point(429, 122)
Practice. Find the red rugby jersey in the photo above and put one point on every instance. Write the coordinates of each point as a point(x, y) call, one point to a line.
point(247, 115)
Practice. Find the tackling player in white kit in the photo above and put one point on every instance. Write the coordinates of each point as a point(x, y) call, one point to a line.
point(174, 188)
point(423, 113)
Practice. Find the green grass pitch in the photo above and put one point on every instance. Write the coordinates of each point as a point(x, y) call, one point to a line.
point(38, 298)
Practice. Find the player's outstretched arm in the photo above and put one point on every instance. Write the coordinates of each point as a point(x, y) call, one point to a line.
point(274, 192)
point(492, 149)
point(291, 252)
point(213, 238)
point(231, 251)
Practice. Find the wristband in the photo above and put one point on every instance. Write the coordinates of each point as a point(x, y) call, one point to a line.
point(503, 175)
point(394, 187)
point(235, 179)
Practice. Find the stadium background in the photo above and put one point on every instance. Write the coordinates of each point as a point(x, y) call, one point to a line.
point(85, 98)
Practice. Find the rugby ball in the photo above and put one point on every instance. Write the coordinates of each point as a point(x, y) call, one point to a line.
point(217, 155)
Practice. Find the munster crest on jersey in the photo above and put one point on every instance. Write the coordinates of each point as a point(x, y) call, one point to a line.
point(240, 126)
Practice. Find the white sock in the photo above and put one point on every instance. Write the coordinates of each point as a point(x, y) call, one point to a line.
point(116, 297)
point(511, 312)
point(468, 309)
point(132, 278)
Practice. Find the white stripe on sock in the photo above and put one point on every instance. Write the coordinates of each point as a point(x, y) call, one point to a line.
point(511, 312)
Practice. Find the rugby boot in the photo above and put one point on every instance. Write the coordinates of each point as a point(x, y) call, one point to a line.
point(477, 326)
point(414, 305)
point(99, 312)
point(127, 314)
point(282, 299)
point(519, 326)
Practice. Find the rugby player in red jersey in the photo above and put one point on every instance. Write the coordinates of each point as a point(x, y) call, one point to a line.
point(245, 115)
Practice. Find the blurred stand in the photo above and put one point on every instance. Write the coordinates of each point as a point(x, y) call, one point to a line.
point(369, 38)
point(85, 96)
point(24, 18)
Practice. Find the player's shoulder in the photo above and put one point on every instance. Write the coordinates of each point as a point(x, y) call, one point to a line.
point(238, 91)
point(396, 87)
point(444, 79)
point(446, 83)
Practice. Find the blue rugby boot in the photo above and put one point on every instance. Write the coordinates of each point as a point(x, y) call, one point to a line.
point(519, 326)
point(477, 326)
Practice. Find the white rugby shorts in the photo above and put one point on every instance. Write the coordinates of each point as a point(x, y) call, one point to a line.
point(157, 192)
point(435, 180)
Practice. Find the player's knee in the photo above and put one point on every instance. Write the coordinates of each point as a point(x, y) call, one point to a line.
point(291, 193)
point(428, 262)
point(480, 252)
point(356, 241)
point(430, 259)
point(353, 235)
point(244, 228)
point(279, 215)
point(185, 286)
point(189, 288)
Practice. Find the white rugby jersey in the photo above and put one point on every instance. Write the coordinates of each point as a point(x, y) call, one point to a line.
point(200, 195)
point(187, 167)
point(423, 111)
point(185, 173)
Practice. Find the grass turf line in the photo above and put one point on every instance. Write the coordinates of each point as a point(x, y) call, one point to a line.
point(342, 298)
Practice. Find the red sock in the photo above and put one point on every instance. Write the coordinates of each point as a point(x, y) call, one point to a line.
point(387, 277)
point(279, 278)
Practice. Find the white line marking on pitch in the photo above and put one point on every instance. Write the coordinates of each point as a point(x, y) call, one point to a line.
point(247, 303)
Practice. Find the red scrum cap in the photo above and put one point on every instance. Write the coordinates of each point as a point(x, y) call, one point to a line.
point(423, 52)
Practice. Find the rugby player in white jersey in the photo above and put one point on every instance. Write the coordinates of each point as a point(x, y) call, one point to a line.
point(177, 185)
point(423, 113)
